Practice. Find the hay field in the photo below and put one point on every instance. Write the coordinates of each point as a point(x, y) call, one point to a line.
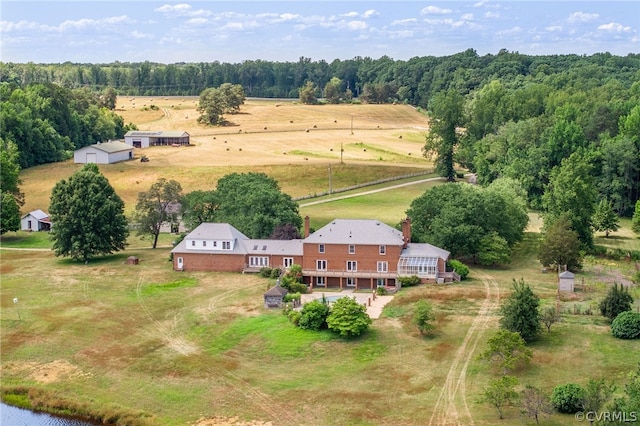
point(291, 142)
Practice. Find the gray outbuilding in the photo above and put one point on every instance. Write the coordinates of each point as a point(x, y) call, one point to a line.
point(103, 153)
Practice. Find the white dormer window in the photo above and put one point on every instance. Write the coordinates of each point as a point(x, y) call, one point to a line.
point(204, 244)
point(193, 243)
point(226, 245)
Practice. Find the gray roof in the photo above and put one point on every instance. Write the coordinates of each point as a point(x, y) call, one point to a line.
point(213, 231)
point(274, 247)
point(566, 274)
point(356, 231)
point(38, 214)
point(157, 133)
point(424, 250)
point(276, 290)
point(110, 147)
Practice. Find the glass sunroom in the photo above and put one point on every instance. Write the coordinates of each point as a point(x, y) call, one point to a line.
point(423, 267)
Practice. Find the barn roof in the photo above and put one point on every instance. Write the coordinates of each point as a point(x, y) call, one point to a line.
point(38, 214)
point(109, 147)
point(157, 133)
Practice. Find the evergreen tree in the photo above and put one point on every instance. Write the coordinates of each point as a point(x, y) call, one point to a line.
point(87, 215)
point(520, 312)
point(616, 301)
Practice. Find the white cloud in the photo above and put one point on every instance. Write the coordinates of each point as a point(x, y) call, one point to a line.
point(492, 15)
point(356, 25)
point(510, 31)
point(467, 17)
point(554, 28)
point(289, 17)
point(614, 27)
point(351, 14)
point(174, 8)
point(407, 21)
point(578, 17)
point(197, 21)
point(435, 10)
point(138, 35)
point(370, 13)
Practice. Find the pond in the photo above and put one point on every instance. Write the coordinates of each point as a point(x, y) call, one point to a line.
point(12, 416)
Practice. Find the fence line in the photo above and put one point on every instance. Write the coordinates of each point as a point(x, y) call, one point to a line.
point(362, 185)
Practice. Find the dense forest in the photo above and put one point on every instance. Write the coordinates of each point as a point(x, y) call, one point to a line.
point(558, 124)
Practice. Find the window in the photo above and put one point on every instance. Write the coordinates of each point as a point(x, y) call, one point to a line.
point(215, 243)
point(204, 244)
point(320, 281)
point(352, 249)
point(321, 265)
point(380, 282)
point(287, 262)
point(382, 250)
point(383, 266)
point(351, 282)
point(226, 245)
point(352, 265)
point(193, 243)
point(258, 261)
point(320, 248)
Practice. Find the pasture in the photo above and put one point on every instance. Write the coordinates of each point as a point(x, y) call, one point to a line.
point(145, 345)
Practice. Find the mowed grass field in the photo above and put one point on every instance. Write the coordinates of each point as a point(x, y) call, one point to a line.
point(149, 345)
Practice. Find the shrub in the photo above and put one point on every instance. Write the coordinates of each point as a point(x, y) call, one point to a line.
point(411, 281)
point(460, 268)
point(568, 398)
point(618, 300)
point(297, 288)
point(348, 318)
point(314, 315)
point(265, 272)
point(290, 297)
point(626, 325)
point(294, 317)
point(381, 291)
point(275, 273)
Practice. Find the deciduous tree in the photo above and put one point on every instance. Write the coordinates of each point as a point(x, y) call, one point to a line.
point(508, 350)
point(157, 206)
point(348, 318)
point(500, 393)
point(535, 403)
point(88, 216)
point(560, 245)
point(605, 218)
point(446, 113)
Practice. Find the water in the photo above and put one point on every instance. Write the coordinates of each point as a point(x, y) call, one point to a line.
point(12, 416)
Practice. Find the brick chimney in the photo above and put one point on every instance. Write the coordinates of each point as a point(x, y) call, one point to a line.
point(306, 226)
point(406, 232)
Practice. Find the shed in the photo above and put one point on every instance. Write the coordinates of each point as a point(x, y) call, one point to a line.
point(566, 281)
point(103, 153)
point(145, 139)
point(36, 220)
point(274, 296)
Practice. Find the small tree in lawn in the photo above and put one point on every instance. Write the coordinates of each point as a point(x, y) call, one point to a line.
point(535, 403)
point(507, 350)
point(560, 245)
point(549, 317)
point(635, 219)
point(156, 206)
point(348, 318)
point(596, 394)
point(616, 301)
point(605, 218)
point(501, 393)
point(422, 317)
point(313, 315)
point(520, 312)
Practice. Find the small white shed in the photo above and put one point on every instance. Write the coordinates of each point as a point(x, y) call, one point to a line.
point(104, 153)
point(566, 281)
point(36, 220)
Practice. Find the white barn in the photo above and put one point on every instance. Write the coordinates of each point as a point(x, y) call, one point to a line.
point(145, 139)
point(36, 220)
point(103, 153)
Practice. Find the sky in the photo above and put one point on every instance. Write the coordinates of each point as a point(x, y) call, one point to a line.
point(234, 31)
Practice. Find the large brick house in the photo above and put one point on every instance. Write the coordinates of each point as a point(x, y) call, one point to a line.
point(357, 254)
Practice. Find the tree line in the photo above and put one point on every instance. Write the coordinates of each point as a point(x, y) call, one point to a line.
point(413, 81)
